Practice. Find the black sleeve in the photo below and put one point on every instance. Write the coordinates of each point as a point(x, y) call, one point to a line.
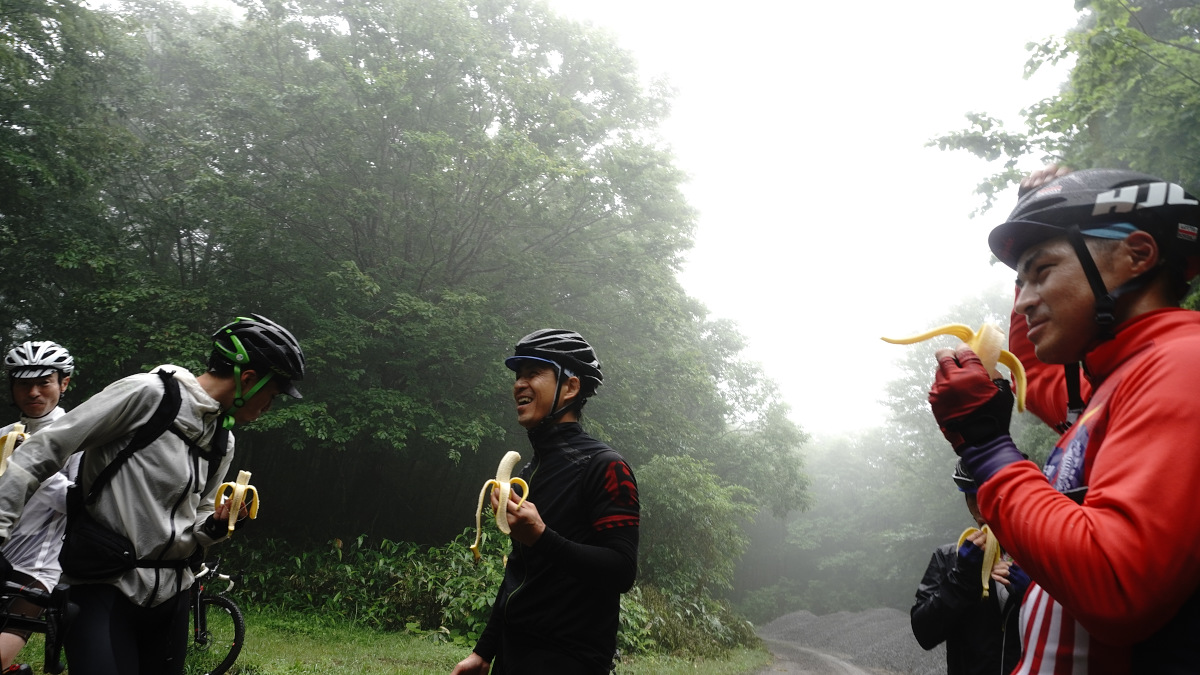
point(945, 593)
point(489, 640)
point(611, 562)
point(613, 510)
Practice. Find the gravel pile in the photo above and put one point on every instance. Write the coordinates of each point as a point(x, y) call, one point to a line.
point(879, 640)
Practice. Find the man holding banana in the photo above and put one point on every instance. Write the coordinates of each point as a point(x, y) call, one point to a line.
point(575, 539)
point(149, 493)
point(39, 372)
point(1106, 529)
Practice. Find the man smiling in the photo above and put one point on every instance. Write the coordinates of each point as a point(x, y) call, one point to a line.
point(575, 540)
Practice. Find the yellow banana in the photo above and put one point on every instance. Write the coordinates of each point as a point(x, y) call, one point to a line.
point(988, 343)
point(10, 442)
point(502, 482)
point(991, 554)
point(237, 496)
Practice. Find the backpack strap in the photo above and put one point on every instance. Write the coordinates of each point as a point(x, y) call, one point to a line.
point(220, 445)
point(159, 422)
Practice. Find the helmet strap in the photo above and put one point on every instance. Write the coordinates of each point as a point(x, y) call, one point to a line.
point(556, 412)
point(1106, 303)
point(240, 399)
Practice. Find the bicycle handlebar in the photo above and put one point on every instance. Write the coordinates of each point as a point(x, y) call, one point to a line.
point(59, 614)
point(31, 593)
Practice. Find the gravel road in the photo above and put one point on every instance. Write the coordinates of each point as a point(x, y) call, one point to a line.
point(874, 642)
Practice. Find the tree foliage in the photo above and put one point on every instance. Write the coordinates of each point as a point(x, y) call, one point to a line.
point(1131, 100)
point(408, 185)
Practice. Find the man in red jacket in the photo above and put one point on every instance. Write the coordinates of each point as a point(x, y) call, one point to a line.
point(1102, 259)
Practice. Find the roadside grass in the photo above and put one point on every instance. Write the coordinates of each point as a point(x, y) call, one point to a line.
point(297, 644)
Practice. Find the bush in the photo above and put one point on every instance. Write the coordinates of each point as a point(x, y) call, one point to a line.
point(703, 627)
point(438, 591)
point(442, 594)
point(696, 523)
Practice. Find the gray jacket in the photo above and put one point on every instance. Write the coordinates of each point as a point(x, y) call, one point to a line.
point(158, 499)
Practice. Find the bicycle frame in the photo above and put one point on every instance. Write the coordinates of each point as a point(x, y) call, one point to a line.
point(54, 622)
point(199, 590)
point(226, 644)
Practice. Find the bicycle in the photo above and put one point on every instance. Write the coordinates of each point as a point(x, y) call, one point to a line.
point(219, 627)
point(53, 623)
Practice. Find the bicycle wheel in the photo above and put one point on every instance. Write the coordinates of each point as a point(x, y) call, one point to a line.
point(214, 650)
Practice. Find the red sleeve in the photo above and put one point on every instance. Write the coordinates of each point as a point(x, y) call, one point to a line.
point(1046, 388)
point(1124, 561)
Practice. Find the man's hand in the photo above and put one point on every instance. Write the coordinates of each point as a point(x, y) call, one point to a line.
point(472, 665)
point(222, 511)
point(216, 526)
point(1038, 178)
point(1000, 571)
point(971, 551)
point(523, 519)
point(969, 406)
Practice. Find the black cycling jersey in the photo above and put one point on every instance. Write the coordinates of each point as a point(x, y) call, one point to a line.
point(560, 598)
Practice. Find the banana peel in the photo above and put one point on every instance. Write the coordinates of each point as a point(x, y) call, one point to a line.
point(237, 496)
point(987, 343)
point(991, 554)
point(503, 483)
point(9, 442)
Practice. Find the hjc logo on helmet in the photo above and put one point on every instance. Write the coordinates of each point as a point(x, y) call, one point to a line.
point(1122, 200)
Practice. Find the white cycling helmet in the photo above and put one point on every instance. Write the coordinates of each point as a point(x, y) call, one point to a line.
point(38, 359)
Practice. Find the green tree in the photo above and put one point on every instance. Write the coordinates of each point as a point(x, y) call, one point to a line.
point(1130, 101)
point(409, 186)
point(696, 525)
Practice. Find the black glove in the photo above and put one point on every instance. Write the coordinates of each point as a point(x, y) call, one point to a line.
point(214, 528)
point(987, 422)
point(217, 529)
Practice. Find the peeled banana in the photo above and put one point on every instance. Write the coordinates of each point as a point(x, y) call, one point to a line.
point(502, 482)
point(237, 496)
point(10, 442)
point(991, 554)
point(987, 343)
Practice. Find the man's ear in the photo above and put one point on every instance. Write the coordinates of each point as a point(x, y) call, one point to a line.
point(569, 391)
point(249, 379)
point(1143, 252)
point(64, 382)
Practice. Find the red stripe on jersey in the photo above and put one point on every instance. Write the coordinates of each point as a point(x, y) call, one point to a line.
point(619, 520)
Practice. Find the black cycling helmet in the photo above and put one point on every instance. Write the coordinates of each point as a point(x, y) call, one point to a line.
point(964, 480)
point(570, 355)
point(258, 343)
point(565, 348)
point(1105, 203)
point(38, 359)
point(1108, 204)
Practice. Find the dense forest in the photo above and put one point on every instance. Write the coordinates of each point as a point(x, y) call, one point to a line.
point(410, 186)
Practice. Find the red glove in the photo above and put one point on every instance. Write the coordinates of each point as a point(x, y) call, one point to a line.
point(969, 406)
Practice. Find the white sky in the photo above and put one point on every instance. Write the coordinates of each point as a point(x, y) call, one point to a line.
point(824, 221)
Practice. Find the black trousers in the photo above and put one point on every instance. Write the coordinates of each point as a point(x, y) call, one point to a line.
point(113, 636)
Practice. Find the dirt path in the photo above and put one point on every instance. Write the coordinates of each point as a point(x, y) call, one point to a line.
point(872, 642)
point(796, 660)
